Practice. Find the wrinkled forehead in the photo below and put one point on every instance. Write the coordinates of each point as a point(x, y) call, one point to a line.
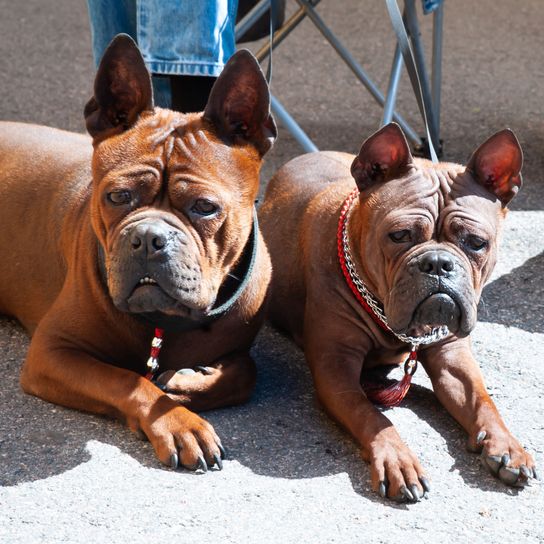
point(147, 143)
point(199, 155)
point(151, 139)
point(435, 190)
point(177, 143)
point(420, 188)
point(466, 198)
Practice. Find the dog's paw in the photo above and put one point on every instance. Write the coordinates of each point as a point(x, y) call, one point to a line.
point(504, 457)
point(395, 471)
point(182, 438)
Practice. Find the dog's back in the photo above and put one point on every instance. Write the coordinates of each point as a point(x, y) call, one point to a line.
point(44, 172)
point(286, 219)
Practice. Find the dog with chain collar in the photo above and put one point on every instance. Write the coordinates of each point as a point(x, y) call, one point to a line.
point(380, 259)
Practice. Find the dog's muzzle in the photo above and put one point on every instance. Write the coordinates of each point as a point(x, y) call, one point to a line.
point(434, 290)
point(155, 267)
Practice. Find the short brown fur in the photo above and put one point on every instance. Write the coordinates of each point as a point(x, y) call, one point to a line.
point(85, 352)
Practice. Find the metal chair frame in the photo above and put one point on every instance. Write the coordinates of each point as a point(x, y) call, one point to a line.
point(431, 87)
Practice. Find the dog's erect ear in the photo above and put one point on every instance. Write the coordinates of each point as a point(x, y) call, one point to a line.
point(383, 156)
point(122, 89)
point(496, 165)
point(239, 103)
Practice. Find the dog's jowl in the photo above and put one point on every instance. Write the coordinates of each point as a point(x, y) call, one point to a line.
point(140, 246)
point(380, 259)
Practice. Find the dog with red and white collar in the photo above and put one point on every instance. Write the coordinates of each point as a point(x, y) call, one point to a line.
point(380, 259)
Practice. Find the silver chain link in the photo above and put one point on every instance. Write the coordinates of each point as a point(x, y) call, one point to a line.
point(435, 335)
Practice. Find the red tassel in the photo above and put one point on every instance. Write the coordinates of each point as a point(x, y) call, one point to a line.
point(389, 396)
point(392, 395)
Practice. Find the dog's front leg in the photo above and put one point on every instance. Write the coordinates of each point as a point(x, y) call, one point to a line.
point(458, 384)
point(336, 368)
point(226, 382)
point(73, 378)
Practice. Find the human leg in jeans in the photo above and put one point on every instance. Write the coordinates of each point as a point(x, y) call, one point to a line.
point(185, 44)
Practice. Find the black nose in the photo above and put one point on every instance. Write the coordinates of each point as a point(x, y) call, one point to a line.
point(436, 263)
point(148, 239)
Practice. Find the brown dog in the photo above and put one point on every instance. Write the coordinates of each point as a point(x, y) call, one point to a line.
point(423, 240)
point(150, 227)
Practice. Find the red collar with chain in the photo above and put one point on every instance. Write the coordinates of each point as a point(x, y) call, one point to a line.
point(378, 393)
point(342, 224)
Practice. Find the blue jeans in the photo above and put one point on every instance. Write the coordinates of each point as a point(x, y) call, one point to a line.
point(176, 37)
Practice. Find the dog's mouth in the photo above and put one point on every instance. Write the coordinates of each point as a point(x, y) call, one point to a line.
point(419, 303)
point(146, 280)
point(149, 296)
point(146, 286)
point(437, 310)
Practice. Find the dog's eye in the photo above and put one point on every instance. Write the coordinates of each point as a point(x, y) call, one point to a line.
point(475, 243)
point(401, 236)
point(204, 207)
point(119, 197)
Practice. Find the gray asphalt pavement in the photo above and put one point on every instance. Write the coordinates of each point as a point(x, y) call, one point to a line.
point(292, 474)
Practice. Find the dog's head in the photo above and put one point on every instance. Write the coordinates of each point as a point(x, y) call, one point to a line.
point(429, 232)
point(173, 194)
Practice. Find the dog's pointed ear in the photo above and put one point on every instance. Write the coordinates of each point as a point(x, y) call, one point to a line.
point(122, 90)
point(496, 165)
point(383, 156)
point(239, 103)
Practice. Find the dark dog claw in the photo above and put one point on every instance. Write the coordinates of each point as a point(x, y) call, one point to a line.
point(204, 369)
point(505, 459)
point(509, 475)
point(218, 461)
point(526, 471)
point(425, 484)
point(481, 437)
point(201, 464)
point(415, 492)
point(407, 493)
point(493, 462)
point(382, 490)
point(174, 460)
point(222, 450)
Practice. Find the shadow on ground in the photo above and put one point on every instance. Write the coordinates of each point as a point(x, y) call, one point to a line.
point(424, 403)
point(281, 433)
point(516, 299)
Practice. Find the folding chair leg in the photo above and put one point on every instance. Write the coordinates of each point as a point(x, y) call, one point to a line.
point(436, 82)
point(392, 88)
point(281, 114)
point(250, 18)
point(412, 25)
point(281, 34)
